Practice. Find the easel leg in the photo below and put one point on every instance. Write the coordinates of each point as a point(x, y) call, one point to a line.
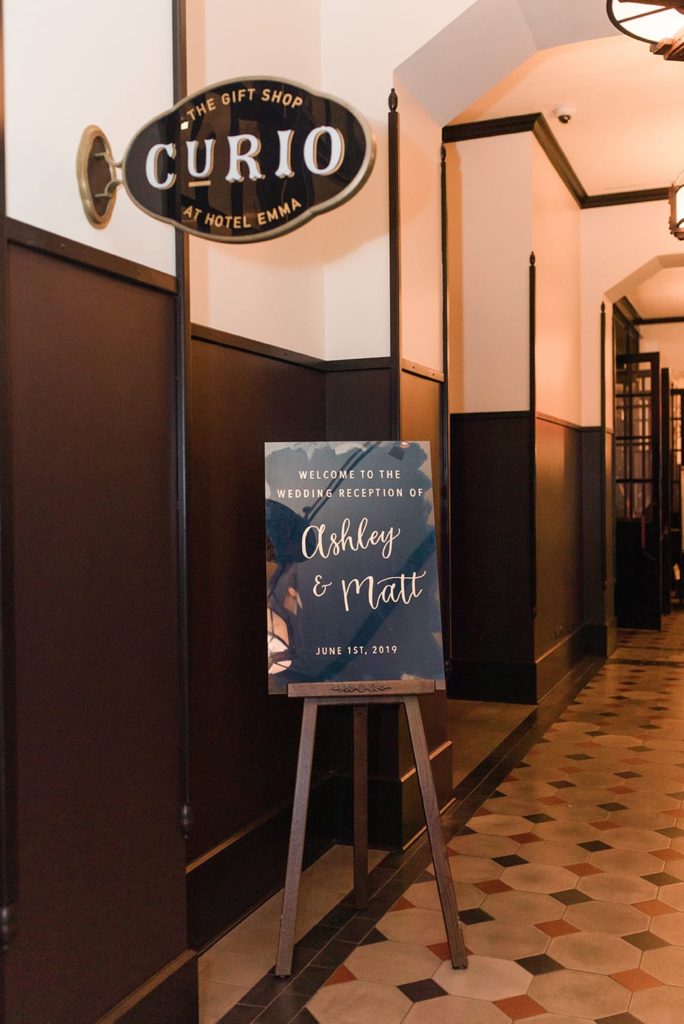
point(445, 884)
point(295, 854)
point(361, 806)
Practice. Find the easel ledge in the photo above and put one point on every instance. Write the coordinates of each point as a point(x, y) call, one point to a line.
point(360, 701)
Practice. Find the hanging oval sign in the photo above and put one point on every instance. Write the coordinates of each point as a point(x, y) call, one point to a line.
point(246, 160)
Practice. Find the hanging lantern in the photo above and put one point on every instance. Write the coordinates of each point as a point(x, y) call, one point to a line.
point(676, 197)
point(660, 24)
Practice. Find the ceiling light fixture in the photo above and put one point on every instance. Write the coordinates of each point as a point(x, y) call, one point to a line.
point(676, 197)
point(660, 24)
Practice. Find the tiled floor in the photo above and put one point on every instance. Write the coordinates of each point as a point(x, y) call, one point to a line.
point(569, 878)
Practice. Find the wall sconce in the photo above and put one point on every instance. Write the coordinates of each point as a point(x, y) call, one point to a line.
point(676, 197)
point(659, 24)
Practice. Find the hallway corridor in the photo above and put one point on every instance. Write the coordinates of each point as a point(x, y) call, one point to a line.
point(569, 879)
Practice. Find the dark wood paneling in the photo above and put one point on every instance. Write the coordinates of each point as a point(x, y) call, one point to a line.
point(357, 405)
point(490, 541)
point(101, 856)
point(559, 535)
point(243, 741)
point(421, 420)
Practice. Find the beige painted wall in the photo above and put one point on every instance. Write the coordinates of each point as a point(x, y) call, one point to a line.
point(668, 339)
point(490, 243)
point(556, 245)
point(68, 65)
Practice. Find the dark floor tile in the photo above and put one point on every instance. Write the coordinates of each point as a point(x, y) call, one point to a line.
point(283, 1009)
point(595, 845)
point(334, 954)
point(304, 1017)
point(240, 1014)
point(510, 860)
point(537, 819)
point(308, 981)
point(373, 936)
point(541, 964)
point(628, 775)
point(317, 937)
point(569, 897)
point(661, 878)
point(613, 806)
point(580, 757)
point(418, 991)
point(476, 916)
point(645, 940)
point(671, 833)
point(621, 1018)
point(265, 991)
point(337, 917)
point(356, 930)
point(562, 784)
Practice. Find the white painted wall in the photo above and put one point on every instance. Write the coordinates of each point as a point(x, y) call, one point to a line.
point(68, 65)
point(668, 340)
point(620, 246)
point(556, 245)
point(272, 291)
point(489, 311)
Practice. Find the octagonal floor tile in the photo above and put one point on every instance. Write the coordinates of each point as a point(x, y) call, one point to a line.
point(617, 888)
point(521, 907)
point(474, 869)
point(637, 839)
point(449, 1009)
point(499, 824)
point(478, 845)
point(555, 854)
point(667, 965)
point(579, 993)
point(394, 963)
point(596, 952)
point(611, 918)
point(675, 895)
point(540, 878)
point(669, 927)
point(500, 939)
point(658, 1005)
point(358, 1002)
point(486, 978)
point(566, 831)
point(630, 862)
point(414, 925)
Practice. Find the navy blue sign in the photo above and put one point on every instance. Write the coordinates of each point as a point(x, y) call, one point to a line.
point(352, 586)
point(245, 160)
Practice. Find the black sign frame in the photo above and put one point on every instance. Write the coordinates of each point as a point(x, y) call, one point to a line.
point(351, 565)
point(287, 203)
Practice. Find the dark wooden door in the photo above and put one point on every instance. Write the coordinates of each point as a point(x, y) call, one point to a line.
point(638, 591)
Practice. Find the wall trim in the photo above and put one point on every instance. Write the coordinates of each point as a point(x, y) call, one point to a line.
point(515, 414)
point(9, 883)
point(212, 336)
point(343, 365)
point(422, 371)
point(394, 263)
point(639, 320)
point(215, 903)
point(539, 126)
point(169, 996)
point(32, 237)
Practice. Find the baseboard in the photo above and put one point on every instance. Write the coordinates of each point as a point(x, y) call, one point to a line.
point(559, 660)
point(510, 682)
point(256, 858)
point(169, 997)
point(601, 638)
point(395, 811)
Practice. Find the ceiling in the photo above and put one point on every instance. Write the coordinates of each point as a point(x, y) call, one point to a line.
point(626, 132)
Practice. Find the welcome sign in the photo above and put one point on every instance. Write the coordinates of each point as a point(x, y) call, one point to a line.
point(246, 160)
point(352, 588)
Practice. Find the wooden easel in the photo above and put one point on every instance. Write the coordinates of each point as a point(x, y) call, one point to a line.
point(445, 883)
